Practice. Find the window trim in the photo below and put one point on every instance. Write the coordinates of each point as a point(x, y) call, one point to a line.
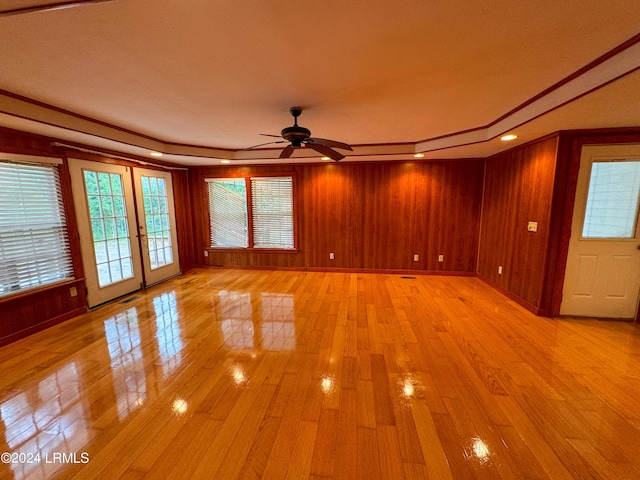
point(247, 178)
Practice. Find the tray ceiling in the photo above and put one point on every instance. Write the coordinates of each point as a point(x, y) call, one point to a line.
point(201, 80)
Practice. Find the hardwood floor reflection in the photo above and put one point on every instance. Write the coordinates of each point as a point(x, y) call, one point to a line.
point(268, 374)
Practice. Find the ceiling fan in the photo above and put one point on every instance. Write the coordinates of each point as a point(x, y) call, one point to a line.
point(47, 6)
point(298, 136)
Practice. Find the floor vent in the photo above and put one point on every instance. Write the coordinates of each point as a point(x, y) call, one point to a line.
point(408, 278)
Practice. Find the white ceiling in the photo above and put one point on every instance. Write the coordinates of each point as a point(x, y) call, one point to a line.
point(199, 80)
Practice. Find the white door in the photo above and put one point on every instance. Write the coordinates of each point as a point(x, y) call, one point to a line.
point(103, 199)
point(156, 212)
point(602, 277)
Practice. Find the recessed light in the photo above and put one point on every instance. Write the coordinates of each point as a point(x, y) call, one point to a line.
point(419, 155)
point(325, 158)
point(507, 138)
point(155, 154)
point(225, 161)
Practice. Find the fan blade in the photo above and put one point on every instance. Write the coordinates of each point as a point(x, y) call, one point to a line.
point(332, 154)
point(287, 152)
point(328, 143)
point(47, 7)
point(263, 144)
point(269, 135)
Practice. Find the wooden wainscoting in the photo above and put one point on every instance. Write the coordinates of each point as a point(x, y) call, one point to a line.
point(272, 374)
point(32, 311)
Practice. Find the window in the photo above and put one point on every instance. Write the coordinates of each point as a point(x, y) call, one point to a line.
point(272, 212)
point(266, 201)
point(228, 212)
point(34, 245)
point(612, 201)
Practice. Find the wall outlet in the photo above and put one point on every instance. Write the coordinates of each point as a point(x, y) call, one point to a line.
point(331, 256)
point(73, 292)
point(416, 257)
point(206, 253)
point(532, 227)
point(440, 258)
point(499, 269)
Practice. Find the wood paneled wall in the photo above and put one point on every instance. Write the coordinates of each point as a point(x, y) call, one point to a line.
point(25, 314)
point(372, 216)
point(184, 219)
point(519, 188)
point(331, 215)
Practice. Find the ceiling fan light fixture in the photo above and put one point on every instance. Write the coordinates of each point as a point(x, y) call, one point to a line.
point(298, 136)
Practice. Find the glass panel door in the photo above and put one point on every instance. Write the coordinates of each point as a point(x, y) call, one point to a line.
point(103, 199)
point(602, 276)
point(156, 213)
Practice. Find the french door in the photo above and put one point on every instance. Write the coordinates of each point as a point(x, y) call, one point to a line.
point(123, 249)
point(154, 198)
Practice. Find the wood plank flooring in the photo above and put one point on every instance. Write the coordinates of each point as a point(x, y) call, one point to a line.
point(225, 374)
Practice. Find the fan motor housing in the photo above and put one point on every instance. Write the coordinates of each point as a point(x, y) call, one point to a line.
point(296, 135)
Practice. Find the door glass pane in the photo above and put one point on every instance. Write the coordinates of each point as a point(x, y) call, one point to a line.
point(109, 228)
point(612, 201)
point(156, 212)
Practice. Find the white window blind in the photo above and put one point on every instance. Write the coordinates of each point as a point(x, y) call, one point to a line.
point(34, 245)
point(228, 212)
point(612, 201)
point(272, 212)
